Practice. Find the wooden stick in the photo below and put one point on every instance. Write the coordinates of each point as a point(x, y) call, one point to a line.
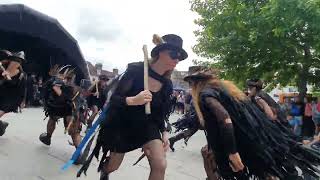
point(146, 76)
point(97, 91)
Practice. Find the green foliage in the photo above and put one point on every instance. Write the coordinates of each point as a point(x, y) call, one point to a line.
point(276, 40)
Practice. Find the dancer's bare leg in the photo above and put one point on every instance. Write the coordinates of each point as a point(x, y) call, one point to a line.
point(157, 159)
point(74, 130)
point(51, 125)
point(3, 125)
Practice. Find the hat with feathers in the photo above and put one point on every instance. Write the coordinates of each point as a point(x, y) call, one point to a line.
point(200, 73)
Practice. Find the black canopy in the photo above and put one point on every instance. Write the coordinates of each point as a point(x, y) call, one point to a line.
point(43, 39)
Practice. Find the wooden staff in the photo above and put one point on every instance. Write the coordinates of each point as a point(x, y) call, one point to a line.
point(146, 76)
point(97, 91)
point(3, 69)
point(73, 109)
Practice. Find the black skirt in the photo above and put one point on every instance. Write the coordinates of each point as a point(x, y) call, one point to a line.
point(122, 137)
point(94, 101)
point(11, 95)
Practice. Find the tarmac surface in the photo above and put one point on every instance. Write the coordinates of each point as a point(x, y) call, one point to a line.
point(24, 157)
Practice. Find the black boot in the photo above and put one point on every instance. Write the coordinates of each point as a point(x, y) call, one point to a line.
point(171, 144)
point(104, 175)
point(45, 139)
point(175, 138)
point(3, 126)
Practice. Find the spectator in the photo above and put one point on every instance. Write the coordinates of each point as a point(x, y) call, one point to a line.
point(180, 104)
point(174, 101)
point(286, 106)
point(40, 88)
point(316, 116)
point(187, 101)
point(308, 127)
point(297, 111)
point(29, 97)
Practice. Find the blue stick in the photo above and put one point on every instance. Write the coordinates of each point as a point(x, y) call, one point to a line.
point(84, 141)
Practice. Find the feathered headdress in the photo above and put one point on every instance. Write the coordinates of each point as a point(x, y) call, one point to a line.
point(157, 40)
point(63, 70)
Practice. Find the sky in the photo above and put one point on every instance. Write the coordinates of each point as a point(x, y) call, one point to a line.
point(113, 32)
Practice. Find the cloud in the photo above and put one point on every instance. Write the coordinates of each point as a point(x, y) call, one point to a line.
point(113, 32)
point(97, 25)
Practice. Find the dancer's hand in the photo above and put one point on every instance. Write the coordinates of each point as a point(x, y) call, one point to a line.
point(165, 140)
point(96, 94)
point(236, 163)
point(6, 74)
point(142, 98)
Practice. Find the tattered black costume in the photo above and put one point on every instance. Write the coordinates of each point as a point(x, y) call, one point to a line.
point(97, 101)
point(128, 127)
point(265, 149)
point(187, 126)
point(12, 92)
point(69, 103)
point(58, 106)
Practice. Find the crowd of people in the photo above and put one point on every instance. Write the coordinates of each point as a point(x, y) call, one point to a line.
point(181, 101)
point(304, 116)
point(34, 90)
point(248, 136)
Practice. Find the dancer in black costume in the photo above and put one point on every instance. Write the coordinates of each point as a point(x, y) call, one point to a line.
point(254, 92)
point(187, 126)
point(244, 140)
point(97, 98)
point(12, 84)
point(62, 100)
point(127, 127)
point(268, 106)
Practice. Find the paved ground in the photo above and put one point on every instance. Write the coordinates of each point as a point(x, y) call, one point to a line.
point(24, 157)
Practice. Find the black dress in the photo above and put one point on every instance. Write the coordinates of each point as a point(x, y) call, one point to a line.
point(263, 147)
point(57, 106)
point(12, 92)
point(128, 127)
point(94, 101)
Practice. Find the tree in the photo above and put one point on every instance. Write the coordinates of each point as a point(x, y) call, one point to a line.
point(276, 40)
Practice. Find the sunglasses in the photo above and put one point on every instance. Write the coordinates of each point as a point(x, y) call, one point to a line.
point(174, 55)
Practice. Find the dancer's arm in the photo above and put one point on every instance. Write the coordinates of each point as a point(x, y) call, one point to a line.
point(12, 69)
point(267, 109)
point(120, 96)
point(57, 83)
point(227, 132)
point(57, 90)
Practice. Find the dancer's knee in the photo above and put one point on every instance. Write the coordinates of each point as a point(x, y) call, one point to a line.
point(159, 164)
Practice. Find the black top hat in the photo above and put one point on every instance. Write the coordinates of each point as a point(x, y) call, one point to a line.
point(200, 73)
point(4, 54)
point(17, 56)
point(169, 42)
point(255, 83)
